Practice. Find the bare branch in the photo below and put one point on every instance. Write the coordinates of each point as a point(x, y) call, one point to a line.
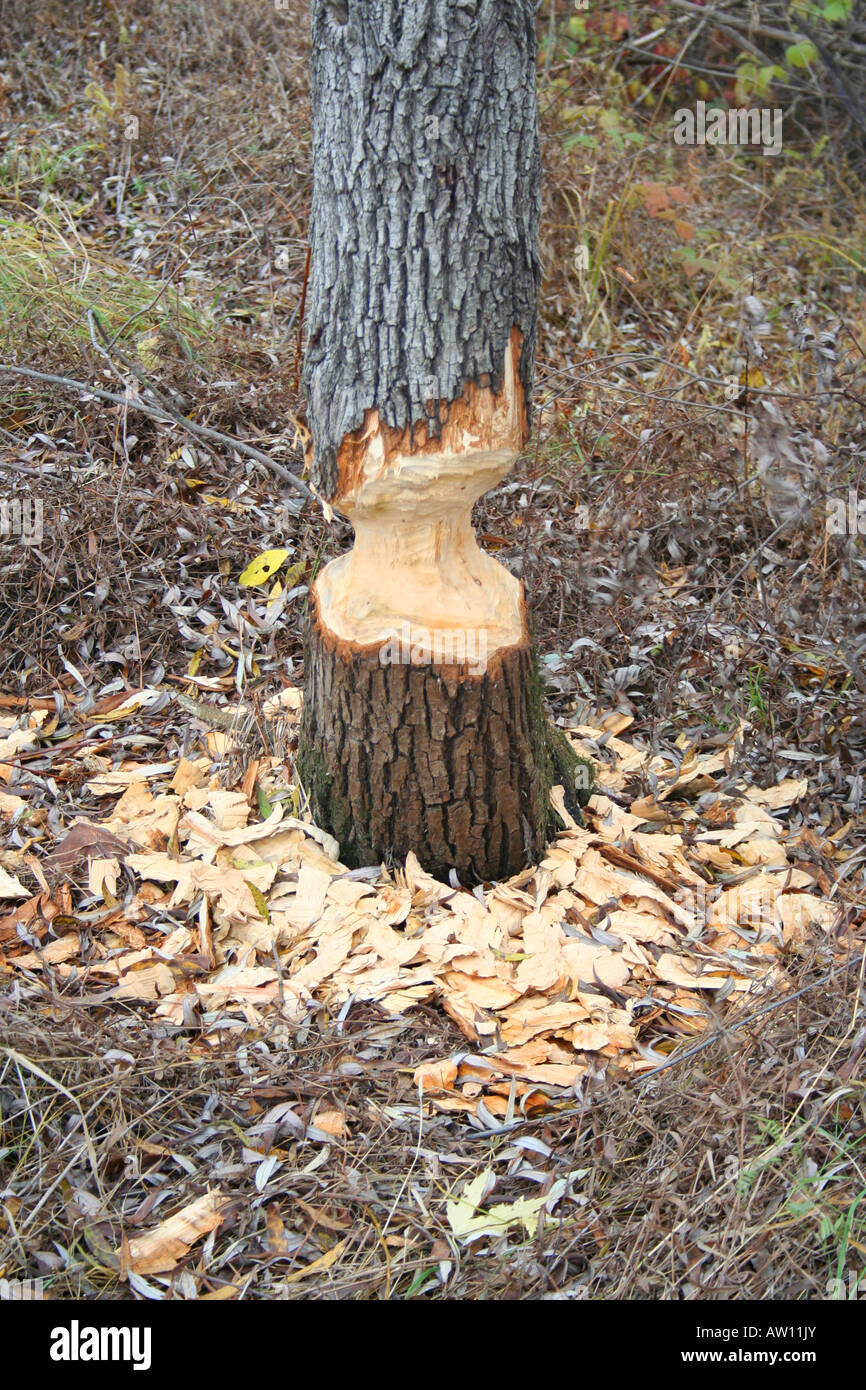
point(166, 415)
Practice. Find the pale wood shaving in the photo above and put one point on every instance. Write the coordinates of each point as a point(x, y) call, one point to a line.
point(660, 901)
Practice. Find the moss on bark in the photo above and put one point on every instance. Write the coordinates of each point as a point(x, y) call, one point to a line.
point(557, 762)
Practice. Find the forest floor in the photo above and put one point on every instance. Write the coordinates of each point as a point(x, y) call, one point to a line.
point(701, 381)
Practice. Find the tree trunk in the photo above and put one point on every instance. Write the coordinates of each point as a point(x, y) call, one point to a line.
point(422, 727)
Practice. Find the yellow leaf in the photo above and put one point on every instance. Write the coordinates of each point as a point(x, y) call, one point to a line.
point(195, 662)
point(295, 573)
point(262, 568)
point(468, 1221)
point(147, 347)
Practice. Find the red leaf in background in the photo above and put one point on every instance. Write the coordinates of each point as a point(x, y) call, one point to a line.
point(615, 24)
point(655, 197)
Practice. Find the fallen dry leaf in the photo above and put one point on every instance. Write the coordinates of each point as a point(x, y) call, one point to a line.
point(435, 1076)
point(318, 1266)
point(84, 842)
point(162, 1249)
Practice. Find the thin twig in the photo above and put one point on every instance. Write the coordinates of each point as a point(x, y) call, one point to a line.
point(93, 320)
point(167, 417)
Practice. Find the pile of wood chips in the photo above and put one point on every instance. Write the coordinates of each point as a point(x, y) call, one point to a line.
point(213, 908)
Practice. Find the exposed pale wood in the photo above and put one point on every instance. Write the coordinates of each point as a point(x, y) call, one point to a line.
point(416, 566)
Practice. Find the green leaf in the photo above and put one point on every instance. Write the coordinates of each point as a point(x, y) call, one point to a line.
point(420, 1278)
point(837, 11)
point(260, 901)
point(766, 78)
point(801, 55)
point(265, 807)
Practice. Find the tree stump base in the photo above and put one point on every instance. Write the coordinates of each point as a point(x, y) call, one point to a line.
point(398, 755)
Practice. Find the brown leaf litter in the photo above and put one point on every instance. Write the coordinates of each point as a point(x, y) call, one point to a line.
point(162, 1248)
point(633, 931)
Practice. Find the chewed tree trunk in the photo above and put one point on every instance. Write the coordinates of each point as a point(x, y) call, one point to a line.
point(422, 727)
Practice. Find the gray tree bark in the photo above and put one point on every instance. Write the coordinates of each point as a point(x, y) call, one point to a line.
point(426, 195)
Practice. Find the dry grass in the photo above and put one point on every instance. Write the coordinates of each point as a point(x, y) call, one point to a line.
point(736, 1173)
point(49, 280)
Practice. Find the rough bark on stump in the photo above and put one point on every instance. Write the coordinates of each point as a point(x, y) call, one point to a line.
point(399, 757)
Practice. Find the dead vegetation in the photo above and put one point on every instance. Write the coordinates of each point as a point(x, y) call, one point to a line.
point(736, 1173)
point(699, 411)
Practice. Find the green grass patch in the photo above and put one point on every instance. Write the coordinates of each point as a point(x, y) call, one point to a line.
point(50, 278)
